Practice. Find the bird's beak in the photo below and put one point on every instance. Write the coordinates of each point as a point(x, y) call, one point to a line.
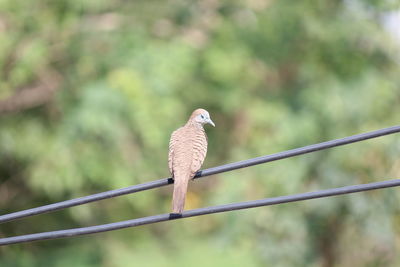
point(209, 121)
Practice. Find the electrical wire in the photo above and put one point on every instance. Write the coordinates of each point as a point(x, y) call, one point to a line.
point(207, 172)
point(199, 212)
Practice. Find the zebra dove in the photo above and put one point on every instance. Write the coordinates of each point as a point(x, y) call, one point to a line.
point(187, 150)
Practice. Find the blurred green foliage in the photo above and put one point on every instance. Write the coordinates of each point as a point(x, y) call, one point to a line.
point(108, 81)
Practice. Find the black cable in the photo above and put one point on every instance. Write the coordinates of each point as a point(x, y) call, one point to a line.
point(203, 173)
point(198, 212)
point(84, 200)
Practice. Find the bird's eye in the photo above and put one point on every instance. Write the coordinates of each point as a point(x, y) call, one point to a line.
point(202, 116)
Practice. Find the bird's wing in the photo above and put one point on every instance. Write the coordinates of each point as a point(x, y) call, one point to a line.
point(199, 151)
point(172, 144)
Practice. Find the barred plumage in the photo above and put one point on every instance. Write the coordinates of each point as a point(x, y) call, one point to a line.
point(187, 151)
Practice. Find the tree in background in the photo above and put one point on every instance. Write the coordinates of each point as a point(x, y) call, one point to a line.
point(91, 90)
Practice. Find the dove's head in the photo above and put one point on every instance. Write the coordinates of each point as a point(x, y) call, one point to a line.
point(201, 116)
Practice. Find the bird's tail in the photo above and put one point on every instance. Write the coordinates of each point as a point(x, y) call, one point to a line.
point(178, 198)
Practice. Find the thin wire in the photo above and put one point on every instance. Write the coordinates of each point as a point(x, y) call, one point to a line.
point(198, 212)
point(203, 173)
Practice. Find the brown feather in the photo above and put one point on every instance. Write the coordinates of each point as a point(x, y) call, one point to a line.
point(187, 151)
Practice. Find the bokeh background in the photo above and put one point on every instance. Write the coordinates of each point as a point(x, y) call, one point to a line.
point(90, 91)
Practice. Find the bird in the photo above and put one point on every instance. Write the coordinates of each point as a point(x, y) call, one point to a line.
point(187, 151)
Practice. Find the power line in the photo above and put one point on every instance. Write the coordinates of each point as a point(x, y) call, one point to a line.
point(203, 173)
point(199, 212)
